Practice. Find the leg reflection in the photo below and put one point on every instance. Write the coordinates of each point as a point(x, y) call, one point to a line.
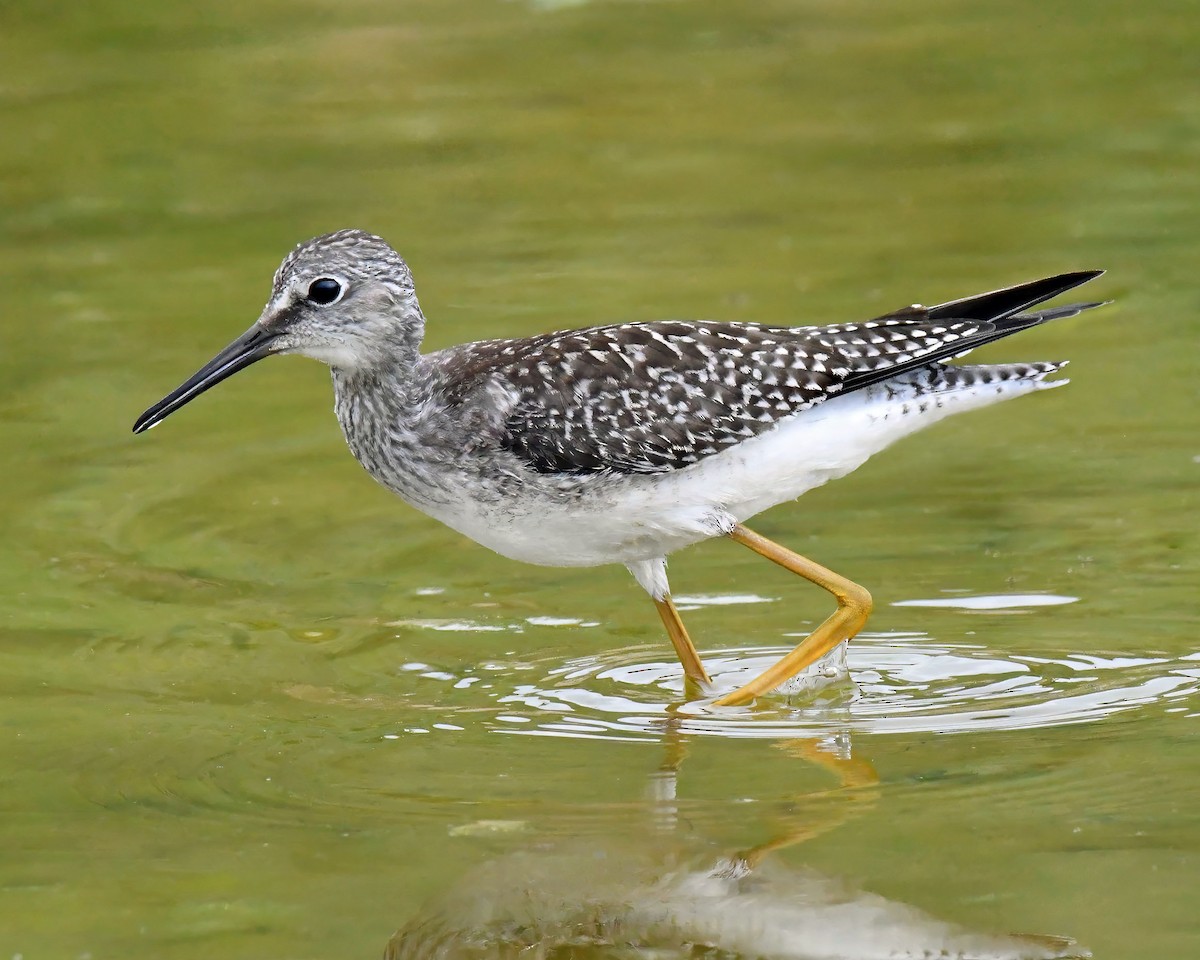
point(641, 885)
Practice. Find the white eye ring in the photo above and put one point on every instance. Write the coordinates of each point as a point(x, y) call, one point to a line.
point(324, 291)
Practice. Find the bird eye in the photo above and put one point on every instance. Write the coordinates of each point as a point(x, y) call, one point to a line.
point(324, 290)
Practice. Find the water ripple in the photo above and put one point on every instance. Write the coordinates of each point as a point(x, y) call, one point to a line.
point(879, 684)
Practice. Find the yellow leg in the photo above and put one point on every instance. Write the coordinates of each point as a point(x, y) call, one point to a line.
point(854, 605)
point(693, 669)
point(815, 814)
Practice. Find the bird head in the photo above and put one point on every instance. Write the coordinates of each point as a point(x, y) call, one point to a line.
point(344, 298)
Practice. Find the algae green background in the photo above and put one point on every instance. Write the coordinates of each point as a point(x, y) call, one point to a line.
point(214, 640)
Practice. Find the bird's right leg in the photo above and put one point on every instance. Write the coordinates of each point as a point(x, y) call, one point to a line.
point(853, 607)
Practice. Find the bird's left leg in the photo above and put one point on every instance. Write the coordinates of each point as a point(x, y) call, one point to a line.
point(685, 650)
point(854, 605)
point(652, 575)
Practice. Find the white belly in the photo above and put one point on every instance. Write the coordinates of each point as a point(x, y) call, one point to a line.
point(626, 519)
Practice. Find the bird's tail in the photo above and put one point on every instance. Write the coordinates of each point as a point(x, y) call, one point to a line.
point(1008, 302)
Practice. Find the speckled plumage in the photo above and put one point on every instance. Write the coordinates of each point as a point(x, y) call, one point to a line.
point(660, 396)
point(618, 443)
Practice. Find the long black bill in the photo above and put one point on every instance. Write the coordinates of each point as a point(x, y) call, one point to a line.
point(249, 348)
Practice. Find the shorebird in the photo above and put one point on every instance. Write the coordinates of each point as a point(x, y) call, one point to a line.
point(625, 443)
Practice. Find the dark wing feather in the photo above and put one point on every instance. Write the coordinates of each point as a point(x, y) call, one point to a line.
point(654, 397)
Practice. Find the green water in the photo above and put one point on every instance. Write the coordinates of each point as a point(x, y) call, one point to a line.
point(253, 706)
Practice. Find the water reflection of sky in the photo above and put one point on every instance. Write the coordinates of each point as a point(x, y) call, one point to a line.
point(880, 683)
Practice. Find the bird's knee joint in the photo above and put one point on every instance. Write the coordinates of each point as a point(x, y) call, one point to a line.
point(856, 598)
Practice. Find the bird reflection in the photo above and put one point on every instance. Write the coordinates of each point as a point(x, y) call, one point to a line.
point(644, 896)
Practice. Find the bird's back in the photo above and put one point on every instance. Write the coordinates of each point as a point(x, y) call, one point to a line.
point(650, 398)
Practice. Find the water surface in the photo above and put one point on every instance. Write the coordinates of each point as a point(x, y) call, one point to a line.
point(252, 706)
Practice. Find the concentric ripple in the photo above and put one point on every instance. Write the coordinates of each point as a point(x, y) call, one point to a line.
point(897, 684)
point(881, 683)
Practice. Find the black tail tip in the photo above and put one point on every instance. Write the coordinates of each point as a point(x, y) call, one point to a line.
point(1068, 281)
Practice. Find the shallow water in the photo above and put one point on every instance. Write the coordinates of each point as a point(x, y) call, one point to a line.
point(255, 707)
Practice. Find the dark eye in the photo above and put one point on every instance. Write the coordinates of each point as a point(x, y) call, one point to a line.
point(325, 290)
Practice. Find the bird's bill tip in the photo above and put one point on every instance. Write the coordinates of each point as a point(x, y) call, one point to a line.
point(249, 348)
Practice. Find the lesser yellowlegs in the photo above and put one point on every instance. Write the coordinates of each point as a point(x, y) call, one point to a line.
point(621, 444)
